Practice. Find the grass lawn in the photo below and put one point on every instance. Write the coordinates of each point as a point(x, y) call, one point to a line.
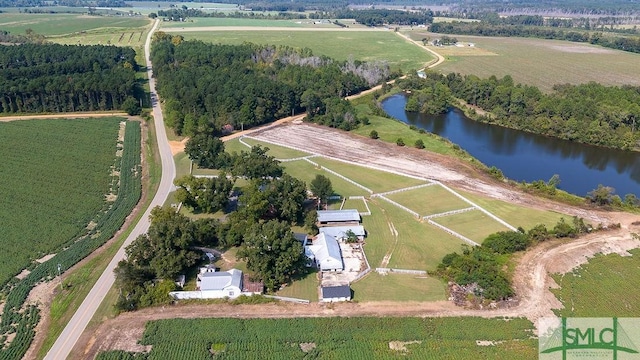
point(379, 239)
point(305, 288)
point(419, 246)
point(279, 152)
point(376, 180)
point(200, 22)
point(235, 145)
point(306, 172)
point(229, 261)
point(357, 204)
point(340, 44)
point(429, 200)
point(516, 215)
point(398, 287)
point(475, 225)
point(601, 288)
point(183, 164)
point(538, 62)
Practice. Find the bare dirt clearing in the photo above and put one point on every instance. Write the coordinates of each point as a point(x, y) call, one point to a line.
point(531, 276)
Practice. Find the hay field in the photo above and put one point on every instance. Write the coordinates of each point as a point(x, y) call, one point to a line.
point(340, 44)
point(538, 62)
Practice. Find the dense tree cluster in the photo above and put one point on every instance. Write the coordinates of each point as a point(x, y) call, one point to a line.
point(59, 78)
point(588, 113)
point(485, 265)
point(154, 259)
point(215, 86)
point(204, 194)
point(377, 17)
point(625, 43)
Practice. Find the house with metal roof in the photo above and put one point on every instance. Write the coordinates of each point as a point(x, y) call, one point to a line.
point(336, 293)
point(340, 232)
point(338, 217)
point(220, 284)
point(325, 253)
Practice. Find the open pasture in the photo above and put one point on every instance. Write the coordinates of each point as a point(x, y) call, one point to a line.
point(398, 287)
point(376, 180)
point(64, 24)
point(429, 200)
point(55, 176)
point(206, 22)
point(340, 44)
point(538, 62)
point(306, 172)
point(339, 338)
point(601, 288)
point(474, 224)
point(358, 204)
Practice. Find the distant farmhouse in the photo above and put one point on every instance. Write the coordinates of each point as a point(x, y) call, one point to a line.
point(214, 284)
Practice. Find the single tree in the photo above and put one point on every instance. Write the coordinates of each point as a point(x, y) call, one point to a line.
point(419, 144)
point(321, 187)
point(373, 134)
point(400, 142)
point(601, 196)
point(131, 106)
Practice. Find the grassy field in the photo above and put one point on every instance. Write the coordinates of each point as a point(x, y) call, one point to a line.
point(339, 338)
point(63, 24)
point(538, 62)
point(306, 172)
point(357, 204)
point(516, 215)
point(429, 200)
point(340, 44)
point(475, 225)
point(52, 187)
point(305, 288)
point(376, 180)
point(199, 22)
point(601, 288)
point(279, 152)
point(398, 287)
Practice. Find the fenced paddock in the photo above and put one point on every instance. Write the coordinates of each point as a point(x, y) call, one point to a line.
point(428, 200)
point(474, 225)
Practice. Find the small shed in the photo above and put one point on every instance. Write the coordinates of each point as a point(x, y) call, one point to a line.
point(336, 293)
point(338, 217)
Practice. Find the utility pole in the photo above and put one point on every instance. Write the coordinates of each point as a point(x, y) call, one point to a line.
point(59, 277)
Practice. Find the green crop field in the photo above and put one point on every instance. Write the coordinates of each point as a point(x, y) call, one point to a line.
point(340, 44)
point(338, 338)
point(603, 287)
point(475, 225)
point(55, 176)
point(538, 62)
point(62, 24)
point(429, 200)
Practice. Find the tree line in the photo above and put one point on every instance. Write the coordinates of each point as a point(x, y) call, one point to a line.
point(588, 113)
point(378, 17)
point(258, 223)
point(624, 43)
point(184, 13)
point(65, 78)
point(226, 87)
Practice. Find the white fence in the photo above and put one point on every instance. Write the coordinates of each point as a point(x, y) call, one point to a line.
point(362, 213)
point(404, 189)
point(459, 236)
point(401, 271)
point(401, 206)
point(341, 176)
point(288, 299)
point(447, 213)
point(365, 271)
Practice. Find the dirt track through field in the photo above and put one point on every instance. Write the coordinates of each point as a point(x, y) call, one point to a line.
point(531, 276)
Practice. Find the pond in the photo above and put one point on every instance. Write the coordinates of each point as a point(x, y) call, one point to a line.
point(530, 157)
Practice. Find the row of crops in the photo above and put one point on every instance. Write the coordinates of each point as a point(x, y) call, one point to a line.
point(22, 322)
point(336, 338)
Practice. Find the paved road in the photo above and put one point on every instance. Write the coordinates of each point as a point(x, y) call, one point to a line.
point(66, 341)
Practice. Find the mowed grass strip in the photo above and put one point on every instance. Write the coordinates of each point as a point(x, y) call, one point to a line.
point(357, 204)
point(429, 200)
point(306, 172)
point(60, 24)
point(55, 175)
point(539, 62)
point(279, 152)
point(340, 44)
point(398, 287)
point(380, 240)
point(604, 287)
point(376, 180)
point(419, 246)
point(474, 224)
point(516, 215)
